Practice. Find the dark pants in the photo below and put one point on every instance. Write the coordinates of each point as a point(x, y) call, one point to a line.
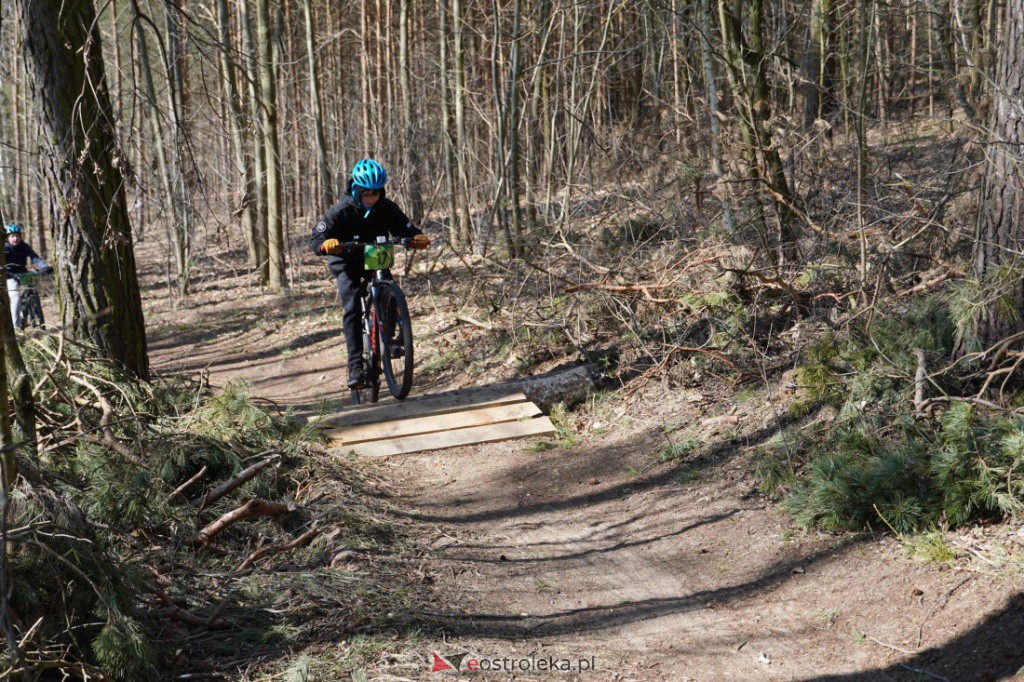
point(352, 312)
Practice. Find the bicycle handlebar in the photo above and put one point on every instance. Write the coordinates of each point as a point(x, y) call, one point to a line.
point(42, 273)
point(404, 241)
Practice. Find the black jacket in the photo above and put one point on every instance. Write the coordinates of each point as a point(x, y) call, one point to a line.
point(349, 221)
point(17, 257)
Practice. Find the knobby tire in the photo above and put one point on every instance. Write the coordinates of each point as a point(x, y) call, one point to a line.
point(395, 340)
point(30, 311)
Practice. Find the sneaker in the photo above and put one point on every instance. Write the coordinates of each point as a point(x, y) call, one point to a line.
point(356, 377)
point(397, 351)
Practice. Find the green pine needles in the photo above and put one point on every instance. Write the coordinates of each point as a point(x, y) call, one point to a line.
point(90, 512)
point(877, 464)
point(123, 650)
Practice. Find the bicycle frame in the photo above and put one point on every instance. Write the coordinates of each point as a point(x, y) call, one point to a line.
point(29, 311)
point(370, 301)
point(376, 281)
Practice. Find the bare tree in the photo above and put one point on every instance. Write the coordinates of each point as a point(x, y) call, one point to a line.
point(746, 57)
point(271, 147)
point(326, 186)
point(465, 230)
point(252, 72)
point(243, 160)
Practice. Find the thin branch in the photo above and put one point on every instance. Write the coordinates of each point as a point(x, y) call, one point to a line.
point(233, 483)
point(277, 548)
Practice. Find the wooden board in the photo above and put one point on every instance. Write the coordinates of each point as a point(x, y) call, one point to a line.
point(449, 439)
point(422, 407)
point(351, 435)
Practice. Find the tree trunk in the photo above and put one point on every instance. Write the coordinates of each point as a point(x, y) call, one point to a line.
point(745, 57)
point(1000, 231)
point(99, 288)
point(717, 167)
point(446, 131)
point(177, 104)
point(252, 61)
point(535, 121)
point(500, 123)
point(819, 65)
point(166, 179)
point(364, 76)
point(461, 142)
point(516, 239)
point(18, 380)
point(7, 462)
point(20, 136)
point(327, 191)
point(943, 35)
point(580, 107)
point(411, 154)
point(8, 467)
point(242, 159)
point(271, 148)
point(569, 387)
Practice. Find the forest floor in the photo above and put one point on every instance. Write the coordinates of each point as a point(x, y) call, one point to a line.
point(594, 550)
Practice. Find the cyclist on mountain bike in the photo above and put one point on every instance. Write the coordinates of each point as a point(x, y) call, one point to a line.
point(17, 254)
point(364, 214)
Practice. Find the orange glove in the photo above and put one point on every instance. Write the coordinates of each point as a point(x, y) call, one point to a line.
point(419, 242)
point(332, 247)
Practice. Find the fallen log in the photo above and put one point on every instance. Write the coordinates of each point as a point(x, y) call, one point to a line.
point(250, 508)
point(570, 387)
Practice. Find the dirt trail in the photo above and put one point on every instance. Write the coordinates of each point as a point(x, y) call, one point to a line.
point(659, 572)
point(660, 580)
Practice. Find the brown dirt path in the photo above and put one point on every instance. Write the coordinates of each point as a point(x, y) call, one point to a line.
point(660, 571)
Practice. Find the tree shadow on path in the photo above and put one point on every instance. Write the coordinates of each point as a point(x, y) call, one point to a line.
point(609, 616)
point(716, 455)
point(991, 650)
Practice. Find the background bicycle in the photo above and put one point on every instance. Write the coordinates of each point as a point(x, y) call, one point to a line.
point(29, 313)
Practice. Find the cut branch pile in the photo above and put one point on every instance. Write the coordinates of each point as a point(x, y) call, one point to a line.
point(115, 489)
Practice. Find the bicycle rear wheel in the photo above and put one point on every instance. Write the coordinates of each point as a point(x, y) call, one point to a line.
point(371, 357)
point(395, 340)
point(30, 313)
point(371, 365)
point(35, 311)
point(21, 314)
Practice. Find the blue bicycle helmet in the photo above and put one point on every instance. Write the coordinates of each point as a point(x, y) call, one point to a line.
point(13, 228)
point(368, 174)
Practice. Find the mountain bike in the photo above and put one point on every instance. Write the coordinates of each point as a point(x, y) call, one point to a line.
point(387, 332)
point(30, 308)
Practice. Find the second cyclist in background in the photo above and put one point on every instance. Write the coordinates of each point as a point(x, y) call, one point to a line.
point(17, 256)
point(364, 214)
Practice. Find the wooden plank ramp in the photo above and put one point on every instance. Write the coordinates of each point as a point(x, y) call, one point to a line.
point(422, 407)
point(425, 425)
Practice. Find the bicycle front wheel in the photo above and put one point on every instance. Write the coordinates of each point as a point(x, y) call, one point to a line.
point(395, 340)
